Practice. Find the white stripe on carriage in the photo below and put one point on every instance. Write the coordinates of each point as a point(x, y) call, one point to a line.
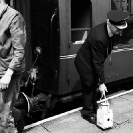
point(113, 51)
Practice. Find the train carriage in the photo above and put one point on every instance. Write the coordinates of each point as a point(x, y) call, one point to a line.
point(59, 28)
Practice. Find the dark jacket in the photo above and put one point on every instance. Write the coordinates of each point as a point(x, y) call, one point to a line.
point(12, 41)
point(92, 54)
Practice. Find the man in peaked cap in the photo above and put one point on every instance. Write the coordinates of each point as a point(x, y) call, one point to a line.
point(90, 60)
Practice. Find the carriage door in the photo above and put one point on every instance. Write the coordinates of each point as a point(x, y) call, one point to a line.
point(80, 25)
point(75, 23)
point(76, 20)
point(84, 15)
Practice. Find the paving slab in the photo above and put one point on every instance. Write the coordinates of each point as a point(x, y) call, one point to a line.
point(128, 96)
point(72, 123)
point(126, 127)
point(121, 107)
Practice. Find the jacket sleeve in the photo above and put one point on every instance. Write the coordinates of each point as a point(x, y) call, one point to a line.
point(18, 38)
point(98, 55)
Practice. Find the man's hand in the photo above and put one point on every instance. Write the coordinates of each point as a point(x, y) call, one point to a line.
point(103, 89)
point(5, 80)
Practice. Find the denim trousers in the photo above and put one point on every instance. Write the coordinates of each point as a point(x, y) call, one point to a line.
point(8, 98)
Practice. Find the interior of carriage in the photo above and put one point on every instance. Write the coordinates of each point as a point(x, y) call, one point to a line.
point(125, 39)
point(81, 22)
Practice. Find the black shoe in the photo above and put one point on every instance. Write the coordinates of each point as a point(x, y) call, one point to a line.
point(20, 124)
point(91, 119)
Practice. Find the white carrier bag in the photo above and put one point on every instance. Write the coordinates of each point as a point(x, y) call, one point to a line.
point(104, 115)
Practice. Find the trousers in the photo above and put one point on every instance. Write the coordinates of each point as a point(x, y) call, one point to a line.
point(8, 98)
point(89, 95)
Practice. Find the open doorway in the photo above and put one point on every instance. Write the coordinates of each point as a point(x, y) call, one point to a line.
point(81, 19)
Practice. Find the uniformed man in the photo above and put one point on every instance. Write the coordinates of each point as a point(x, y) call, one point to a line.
point(90, 60)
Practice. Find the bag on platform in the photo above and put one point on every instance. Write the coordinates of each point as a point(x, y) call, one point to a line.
point(104, 115)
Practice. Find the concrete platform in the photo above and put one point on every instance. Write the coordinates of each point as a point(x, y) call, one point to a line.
point(72, 122)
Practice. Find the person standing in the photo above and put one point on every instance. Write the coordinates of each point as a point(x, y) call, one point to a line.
point(12, 61)
point(90, 59)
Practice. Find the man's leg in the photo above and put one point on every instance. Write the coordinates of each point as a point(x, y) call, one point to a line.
point(7, 100)
point(89, 98)
point(89, 102)
point(19, 115)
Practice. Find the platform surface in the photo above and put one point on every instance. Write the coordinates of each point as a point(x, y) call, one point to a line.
point(122, 107)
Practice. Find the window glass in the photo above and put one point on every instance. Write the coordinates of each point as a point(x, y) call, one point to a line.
point(81, 19)
point(125, 39)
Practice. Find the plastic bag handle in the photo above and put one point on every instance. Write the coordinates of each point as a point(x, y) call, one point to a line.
point(104, 96)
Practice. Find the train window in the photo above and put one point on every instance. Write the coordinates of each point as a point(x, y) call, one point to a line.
point(124, 5)
point(81, 20)
point(125, 39)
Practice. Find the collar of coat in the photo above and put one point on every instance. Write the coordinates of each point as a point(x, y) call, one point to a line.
point(109, 31)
